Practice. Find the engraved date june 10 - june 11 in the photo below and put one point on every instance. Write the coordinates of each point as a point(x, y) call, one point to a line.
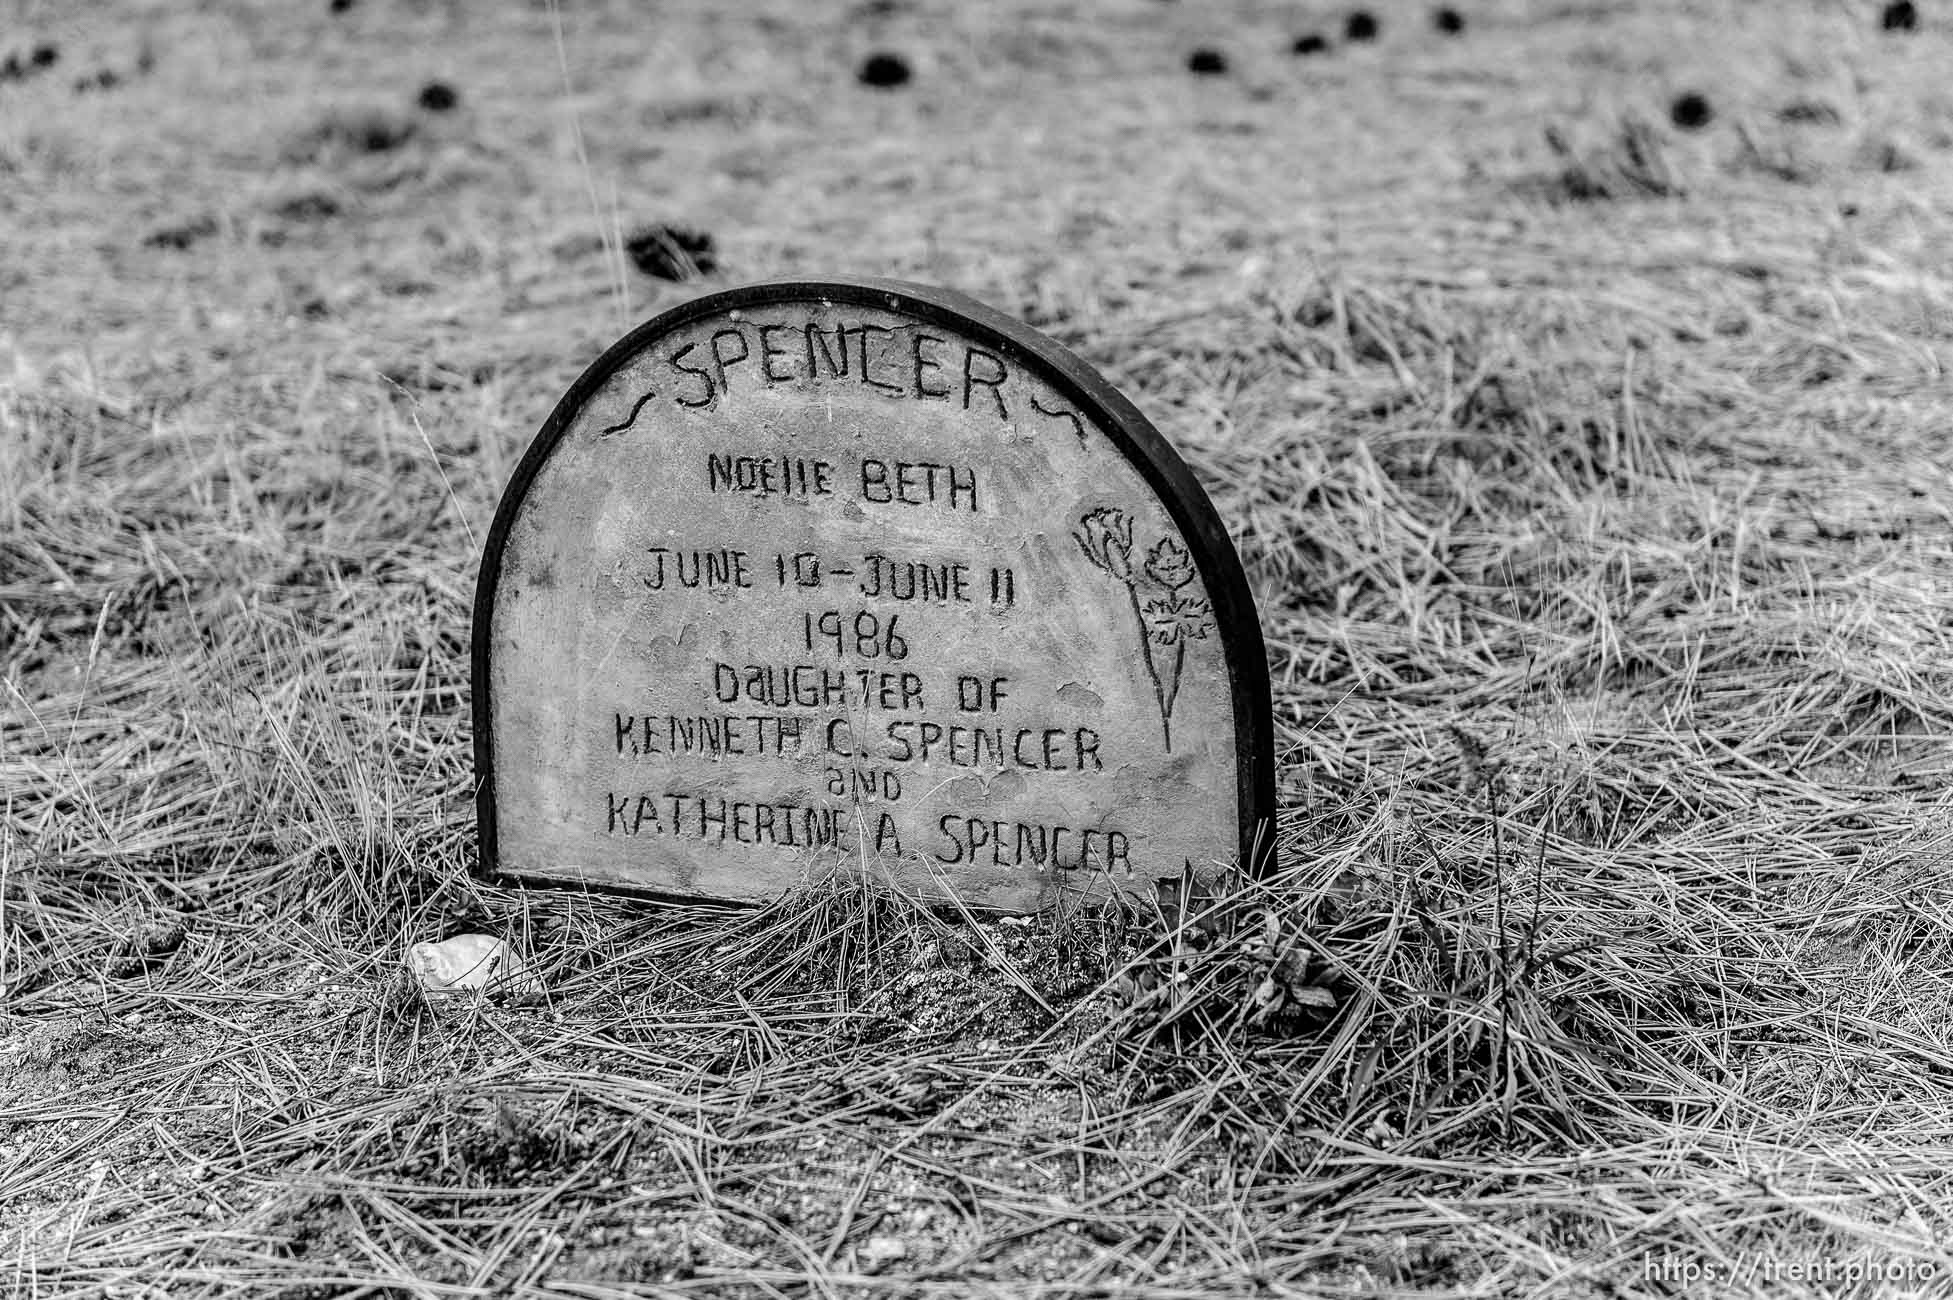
point(875, 575)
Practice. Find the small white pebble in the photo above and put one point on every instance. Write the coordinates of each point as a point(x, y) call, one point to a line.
point(469, 961)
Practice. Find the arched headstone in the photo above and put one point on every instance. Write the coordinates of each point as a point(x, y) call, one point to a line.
point(810, 573)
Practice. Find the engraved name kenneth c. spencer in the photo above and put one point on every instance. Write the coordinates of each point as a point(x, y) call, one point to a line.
point(808, 574)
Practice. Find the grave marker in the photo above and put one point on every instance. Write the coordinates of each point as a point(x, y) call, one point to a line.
point(803, 574)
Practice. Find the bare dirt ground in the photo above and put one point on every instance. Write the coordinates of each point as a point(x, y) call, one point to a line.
point(1589, 454)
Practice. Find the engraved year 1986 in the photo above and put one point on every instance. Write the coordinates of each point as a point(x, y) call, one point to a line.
point(861, 633)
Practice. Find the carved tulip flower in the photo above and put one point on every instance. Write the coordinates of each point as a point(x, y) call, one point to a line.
point(1169, 620)
point(1105, 535)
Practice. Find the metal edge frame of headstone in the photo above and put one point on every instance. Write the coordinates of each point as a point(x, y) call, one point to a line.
point(1131, 432)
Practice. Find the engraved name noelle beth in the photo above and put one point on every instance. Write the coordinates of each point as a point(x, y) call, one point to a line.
point(805, 580)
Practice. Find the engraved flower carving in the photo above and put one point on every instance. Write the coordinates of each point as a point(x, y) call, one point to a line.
point(1173, 614)
point(1175, 618)
point(1170, 564)
point(1105, 535)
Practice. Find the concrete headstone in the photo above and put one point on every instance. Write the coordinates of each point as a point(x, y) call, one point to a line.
point(808, 574)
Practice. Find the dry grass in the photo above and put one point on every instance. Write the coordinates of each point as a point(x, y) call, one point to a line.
point(1592, 475)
